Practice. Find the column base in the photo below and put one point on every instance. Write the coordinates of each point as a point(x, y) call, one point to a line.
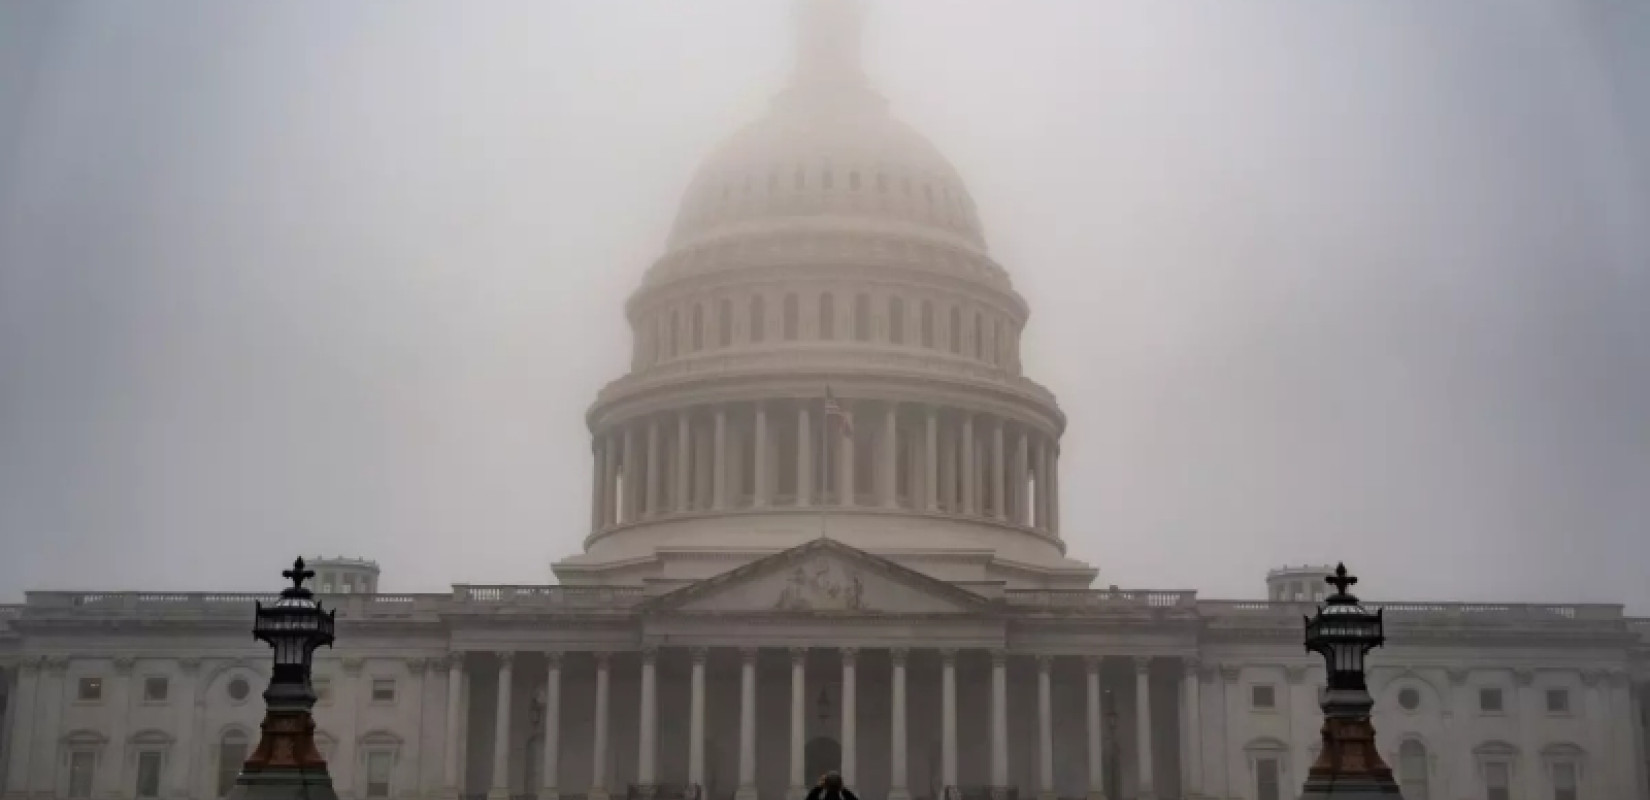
point(646, 791)
point(999, 793)
point(496, 793)
point(745, 793)
point(549, 793)
point(1047, 795)
point(1095, 794)
point(899, 793)
point(796, 793)
point(597, 793)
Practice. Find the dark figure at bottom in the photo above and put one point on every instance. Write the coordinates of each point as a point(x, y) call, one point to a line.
point(830, 788)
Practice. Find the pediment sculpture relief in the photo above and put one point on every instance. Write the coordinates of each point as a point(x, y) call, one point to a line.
point(821, 585)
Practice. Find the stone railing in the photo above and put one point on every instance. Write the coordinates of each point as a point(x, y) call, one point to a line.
point(541, 596)
point(1097, 600)
point(1488, 612)
point(223, 603)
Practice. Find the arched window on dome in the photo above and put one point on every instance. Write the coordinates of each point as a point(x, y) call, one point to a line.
point(927, 323)
point(825, 175)
point(896, 320)
point(827, 316)
point(882, 183)
point(956, 330)
point(790, 312)
point(862, 317)
point(759, 318)
point(979, 335)
point(697, 342)
point(675, 327)
point(853, 180)
point(724, 323)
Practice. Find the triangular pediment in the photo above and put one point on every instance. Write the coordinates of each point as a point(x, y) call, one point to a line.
point(823, 576)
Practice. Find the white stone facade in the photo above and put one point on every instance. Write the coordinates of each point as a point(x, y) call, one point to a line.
point(772, 586)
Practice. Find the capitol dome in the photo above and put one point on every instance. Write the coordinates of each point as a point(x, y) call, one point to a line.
point(826, 349)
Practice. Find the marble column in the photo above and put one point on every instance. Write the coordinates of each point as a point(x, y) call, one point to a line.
point(696, 718)
point(20, 721)
point(999, 479)
point(890, 456)
point(501, 728)
point(804, 458)
point(1097, 775)
point(610, 482)
point(1045, 730)
point(647, 726)
point(850, 716)
point(597, 470)
point(631, 500)
point(1143, 725)
point(931, 462)
point(682, 486)
point(1054, 490)
point(966, 458)
point(1021, 476)
point(948, 717)
point(719, 462)
point(652, 506)
point(455, 708)
point(846, 494)
point(999, 724)
point(598, 745)
point(950, 496)
point(898, 784)
point(761, 480)
point(1192, 733)
point(550, 780)
point(747, 725)
point(799, 711)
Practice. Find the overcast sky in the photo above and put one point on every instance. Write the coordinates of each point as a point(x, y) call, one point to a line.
point(1312, 280)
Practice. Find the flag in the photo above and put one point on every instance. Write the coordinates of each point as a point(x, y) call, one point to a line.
point(833, 409)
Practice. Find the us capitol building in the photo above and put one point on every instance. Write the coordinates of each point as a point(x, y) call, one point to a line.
point(825, 532)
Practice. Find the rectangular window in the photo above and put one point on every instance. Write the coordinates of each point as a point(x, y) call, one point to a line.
point(383, 690)
point(91, 689)
point(1268, 781)
point(378, 773)
point(1263, 696)
point(148, 774)
point(1558, 701)
point(1564, 781)
point(231, 757)
point(155, 689)
point(1489, 701)
point(1497, 780)
point(82, 763)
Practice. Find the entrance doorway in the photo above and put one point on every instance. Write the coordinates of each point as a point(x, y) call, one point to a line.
point(821, 755)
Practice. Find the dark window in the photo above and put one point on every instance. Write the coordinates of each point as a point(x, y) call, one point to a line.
point(378, 773)
point(1564, 781)
point(790, 312)
point(979, 335)
point(1497, 781)
point(238, 689)
point(1558, 701)
point(231, 756)
point(956, 330)
point(1412, 770)
point(862, 317)
point(759, 318)
point(827, 316)
point(91, 689)
point(1263, 696)
point(1409, 699)
point(896, 320)
point(698, 342)
point(383, 690)
point(927, 324)
point(82, 763)
point(675, 326)
point(1267, 780)
point(155, 689)
point(148, 774)
point(724, 323)
point(1489, 700)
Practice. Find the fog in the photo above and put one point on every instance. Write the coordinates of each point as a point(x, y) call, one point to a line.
point(1312, 281)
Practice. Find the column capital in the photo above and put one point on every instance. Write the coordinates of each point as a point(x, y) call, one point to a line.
point(698, 654)
point(552, 659)
point(999, 657)
point(1091, 663)
point(650, 654)
point(505, 658)
point(849, 656)
point(898, 655)
point(353, 665)
point(1142, 665)
point(1295, 674)
point(454, 659)
point(418, 665)
point(748, 654)
point(1044, 663)
point(1230, 672)
point(123, 665)
point(948, 656)
point(1523, 676)
point(799, 655)
point(1191, 666)
point(602, 658)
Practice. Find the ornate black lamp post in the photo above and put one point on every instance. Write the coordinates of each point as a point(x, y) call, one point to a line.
point(1344, 632)
point(286, 765)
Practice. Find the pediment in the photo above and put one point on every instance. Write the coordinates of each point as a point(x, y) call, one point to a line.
point(822, 577)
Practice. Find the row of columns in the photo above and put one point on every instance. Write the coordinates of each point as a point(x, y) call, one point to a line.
point(646, 776)
point(945, 460)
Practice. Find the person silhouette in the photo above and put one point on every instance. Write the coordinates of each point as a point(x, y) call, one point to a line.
point(830, 787)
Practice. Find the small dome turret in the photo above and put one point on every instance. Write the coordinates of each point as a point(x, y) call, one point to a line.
point(340, 575)
point(1302, 584)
